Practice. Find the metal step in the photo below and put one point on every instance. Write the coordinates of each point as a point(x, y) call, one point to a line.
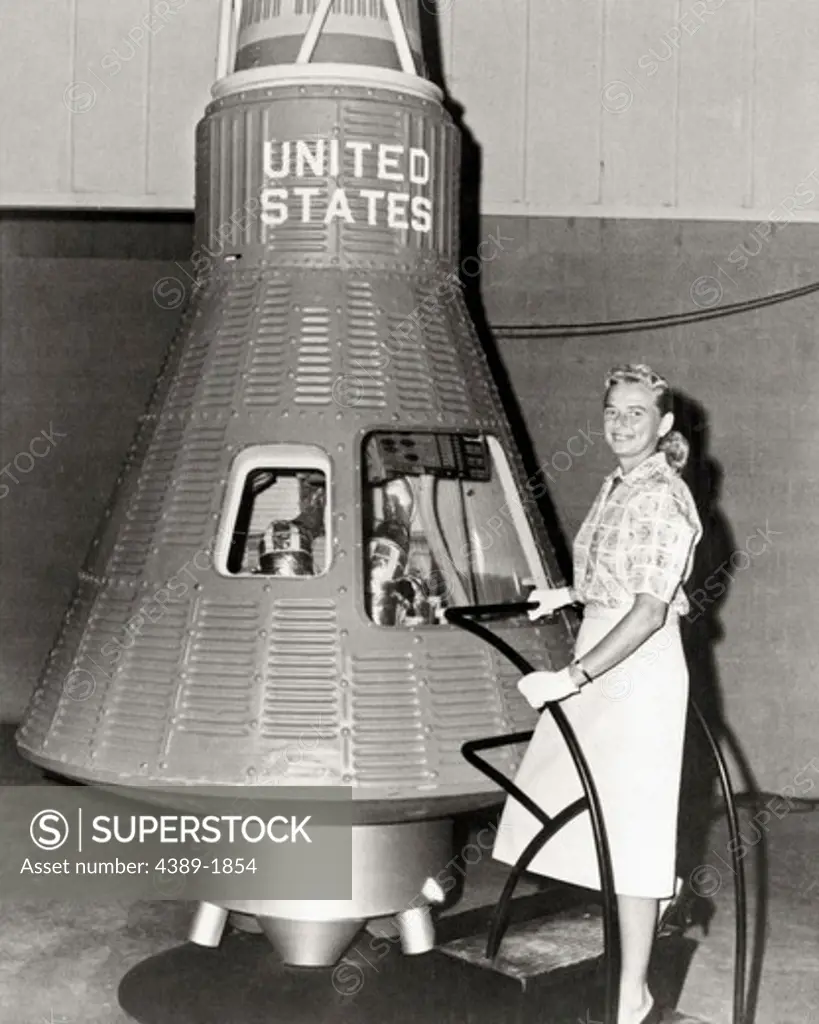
point(555, 954)
point(568, 942)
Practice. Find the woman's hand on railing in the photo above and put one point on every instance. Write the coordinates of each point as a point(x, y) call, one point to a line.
point(548, 601)
point(541, 688)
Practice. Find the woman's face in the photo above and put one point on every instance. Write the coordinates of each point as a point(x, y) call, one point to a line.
point(632, 423)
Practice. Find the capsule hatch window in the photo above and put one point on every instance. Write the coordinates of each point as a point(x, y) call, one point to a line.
point(444, 525)
point(276, 519)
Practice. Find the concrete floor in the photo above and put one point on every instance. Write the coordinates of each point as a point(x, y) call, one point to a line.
point(61, 963)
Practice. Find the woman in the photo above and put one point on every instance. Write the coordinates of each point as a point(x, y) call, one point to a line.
point(626, 692)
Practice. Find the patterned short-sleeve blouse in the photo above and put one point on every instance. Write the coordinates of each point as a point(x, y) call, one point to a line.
point(638, 538)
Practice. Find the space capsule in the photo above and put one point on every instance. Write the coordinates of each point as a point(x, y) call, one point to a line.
point(325, 467)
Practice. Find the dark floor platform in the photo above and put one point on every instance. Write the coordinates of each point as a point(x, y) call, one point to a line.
point(71, 963)
point(546, 972)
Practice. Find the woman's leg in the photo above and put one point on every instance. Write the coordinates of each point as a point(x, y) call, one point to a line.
point(638, 924)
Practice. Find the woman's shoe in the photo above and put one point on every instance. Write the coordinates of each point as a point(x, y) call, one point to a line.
point(686, 910)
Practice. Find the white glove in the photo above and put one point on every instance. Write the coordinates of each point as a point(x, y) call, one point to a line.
point(541, 688)
point(548, 601)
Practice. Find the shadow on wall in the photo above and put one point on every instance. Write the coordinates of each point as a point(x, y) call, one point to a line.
point(471, 238)
point(702, 631)
point(709, 589)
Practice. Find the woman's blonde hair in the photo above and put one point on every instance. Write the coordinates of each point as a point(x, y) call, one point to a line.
point(673, 445)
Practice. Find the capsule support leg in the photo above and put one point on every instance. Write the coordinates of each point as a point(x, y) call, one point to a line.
point(208, 925)
point(416, 930)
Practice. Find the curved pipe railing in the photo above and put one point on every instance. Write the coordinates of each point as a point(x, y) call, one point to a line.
point(464, 617)
point(740, 888)
point(611, 940)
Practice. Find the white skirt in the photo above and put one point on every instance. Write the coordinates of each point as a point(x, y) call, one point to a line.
point(630, 723)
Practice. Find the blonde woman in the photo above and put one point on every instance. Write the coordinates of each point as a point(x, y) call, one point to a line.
point(626, 692)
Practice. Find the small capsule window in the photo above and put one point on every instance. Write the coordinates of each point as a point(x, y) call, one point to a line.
point(276, 519)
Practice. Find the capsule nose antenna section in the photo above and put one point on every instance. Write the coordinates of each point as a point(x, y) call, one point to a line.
point(256, 34)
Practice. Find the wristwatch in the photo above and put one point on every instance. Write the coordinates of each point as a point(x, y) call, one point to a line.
point(577, 665)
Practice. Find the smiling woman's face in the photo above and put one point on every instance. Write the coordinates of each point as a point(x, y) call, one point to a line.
point(632, 423)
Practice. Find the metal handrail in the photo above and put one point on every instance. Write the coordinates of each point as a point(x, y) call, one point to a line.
point(462, 617)
point(611, 947)
point(740, 886)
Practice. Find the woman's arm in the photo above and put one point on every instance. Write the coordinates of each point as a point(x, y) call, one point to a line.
point(662, 530)
point(644, 618)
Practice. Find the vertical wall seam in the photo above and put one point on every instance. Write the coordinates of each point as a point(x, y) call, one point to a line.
point(675, 158)
point(750, 107)
point(72, 77)
point(601, 113)
point(146, 107)
point(527, 68)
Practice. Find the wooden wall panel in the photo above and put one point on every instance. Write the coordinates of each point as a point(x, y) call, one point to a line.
point(34, 118)
point(715, 130)
point(646, 108)
point(786, 100)
point(562, 146)
point(489, 72)
point(186, 40)
point(639, 97)
point(109, 140)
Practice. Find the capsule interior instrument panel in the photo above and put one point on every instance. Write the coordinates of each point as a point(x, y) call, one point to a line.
point(325, 465)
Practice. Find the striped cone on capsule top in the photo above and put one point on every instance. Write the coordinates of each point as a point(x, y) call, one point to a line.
point(356, 32)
